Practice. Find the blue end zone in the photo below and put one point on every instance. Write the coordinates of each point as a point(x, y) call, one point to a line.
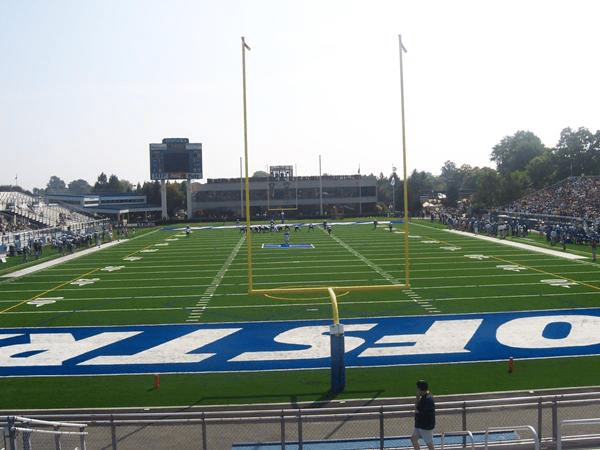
point(392, 442)
point(305, 246)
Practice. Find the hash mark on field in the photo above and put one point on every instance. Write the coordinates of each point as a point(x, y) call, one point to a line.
point(420, 301)
point(214, 284)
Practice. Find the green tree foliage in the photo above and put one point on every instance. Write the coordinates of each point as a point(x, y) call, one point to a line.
point(487, 189)
point(101, 185)
point(8, 187)
point(514, 152)
point(175, 199)
point(79, 187)
point(56, 186)
point(418, 183)
point(577, 153)
point(513, 186)
point(111, 185)
point(384, 191)
point(452, 178)
point(152, 192)
point(542, 170)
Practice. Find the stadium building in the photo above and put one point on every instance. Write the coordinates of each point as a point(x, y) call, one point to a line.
point(295, 197)
point(118, 207)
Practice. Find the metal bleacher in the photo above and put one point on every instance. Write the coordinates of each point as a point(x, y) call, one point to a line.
point(35, 209)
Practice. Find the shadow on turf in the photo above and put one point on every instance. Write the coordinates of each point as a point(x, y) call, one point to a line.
point(323, 398)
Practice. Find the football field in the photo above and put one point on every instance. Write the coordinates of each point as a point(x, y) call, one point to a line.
point(96, 330)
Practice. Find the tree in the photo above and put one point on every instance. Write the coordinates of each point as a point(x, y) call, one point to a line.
point(384, 190)
point(56, 186)
point(542, 170)
point(514, 152)
point(513, 186)
point(175, 199)
point(79, 187)
point(487, 192)
point(577, 153)
point(418, 183)
point(101, 184)
point(152, 192)
point(452, 179)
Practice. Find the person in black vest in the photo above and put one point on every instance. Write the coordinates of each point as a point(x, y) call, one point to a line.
point(424, 416)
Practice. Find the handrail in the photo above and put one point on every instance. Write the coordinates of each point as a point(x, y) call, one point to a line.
point(458, 433)
point(591, 421)
point(536, 439)
point(47, 422)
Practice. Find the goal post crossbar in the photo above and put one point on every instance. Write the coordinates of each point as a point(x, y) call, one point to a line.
point(320, 289)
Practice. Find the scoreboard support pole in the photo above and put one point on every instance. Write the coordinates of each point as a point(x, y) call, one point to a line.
point(163, 199)
point(188, 194)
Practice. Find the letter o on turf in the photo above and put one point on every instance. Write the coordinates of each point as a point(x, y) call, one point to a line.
point(540, 332)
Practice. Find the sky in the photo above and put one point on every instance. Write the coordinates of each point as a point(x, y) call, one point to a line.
point(87, 85)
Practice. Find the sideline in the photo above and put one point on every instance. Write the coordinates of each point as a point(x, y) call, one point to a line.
point(59, 260)
point(532, 248)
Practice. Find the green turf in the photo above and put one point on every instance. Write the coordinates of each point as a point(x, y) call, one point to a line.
point(174, 272)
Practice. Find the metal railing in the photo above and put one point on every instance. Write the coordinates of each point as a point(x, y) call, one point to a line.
point(27, 428)
point(573, 422)
point(379, 423)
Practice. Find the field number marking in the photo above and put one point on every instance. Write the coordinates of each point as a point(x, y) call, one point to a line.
point(559, 282)
point(112, 268)
point(85, 281)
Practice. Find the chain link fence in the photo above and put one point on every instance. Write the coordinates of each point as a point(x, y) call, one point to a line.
point(549, 421)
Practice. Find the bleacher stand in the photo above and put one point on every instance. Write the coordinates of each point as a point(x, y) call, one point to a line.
point(34, 209)
point(26, 220)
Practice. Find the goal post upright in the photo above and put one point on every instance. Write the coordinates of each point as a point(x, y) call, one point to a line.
point(405, 225)
point(248, 233)
point(336, 329)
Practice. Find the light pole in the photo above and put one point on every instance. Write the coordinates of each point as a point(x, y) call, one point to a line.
point(320, 189)
point(393, 184)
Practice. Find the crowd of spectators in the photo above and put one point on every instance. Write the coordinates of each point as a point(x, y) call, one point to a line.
point(576, 198)
point(568, 212)
point(9, 226)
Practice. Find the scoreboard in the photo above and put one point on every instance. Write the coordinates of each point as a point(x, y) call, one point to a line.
point(281, 173)
point(175, 159)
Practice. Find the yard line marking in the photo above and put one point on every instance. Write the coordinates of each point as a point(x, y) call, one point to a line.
point(532, 249)
point(369, 263)
point(49, 290)
point(216, 281)
point(583, 283)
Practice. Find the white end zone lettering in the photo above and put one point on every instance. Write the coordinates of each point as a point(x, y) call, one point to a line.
point(256, 346)
point(315, 337)
point(444, 336)
point(530, 332)
point(53, 349)
point(174, 351)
